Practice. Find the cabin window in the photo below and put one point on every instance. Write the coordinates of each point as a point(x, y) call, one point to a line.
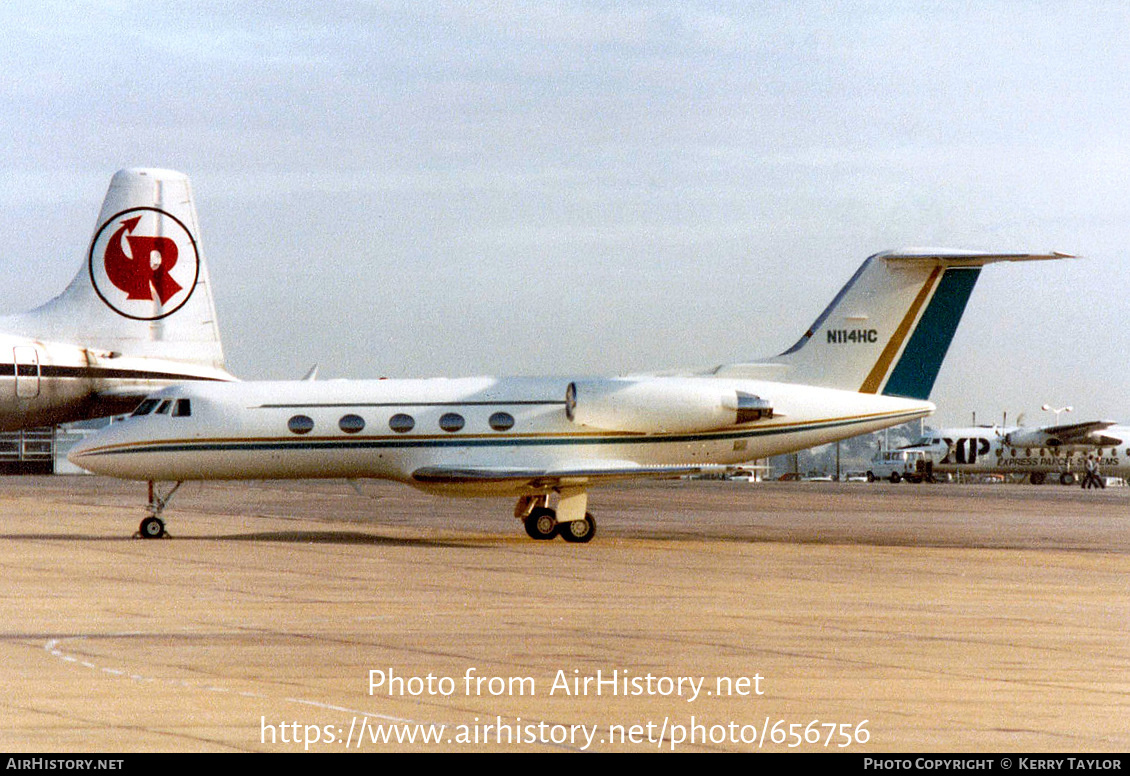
point(501, 421)
point(164, 408)
point(401, 423)
point(451, 421)
point(183, 408)
point(145, 407)
point(300, 424)
point(351, 424)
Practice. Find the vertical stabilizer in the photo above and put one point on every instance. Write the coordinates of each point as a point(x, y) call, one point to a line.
point(143, 288)
point(887, 331)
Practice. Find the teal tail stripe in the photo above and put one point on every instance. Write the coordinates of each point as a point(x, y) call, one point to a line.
point(914, 375)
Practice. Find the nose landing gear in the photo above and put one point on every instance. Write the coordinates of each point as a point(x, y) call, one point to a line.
point(153, 527)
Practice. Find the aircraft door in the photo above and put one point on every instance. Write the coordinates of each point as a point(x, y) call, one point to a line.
point(25, 362)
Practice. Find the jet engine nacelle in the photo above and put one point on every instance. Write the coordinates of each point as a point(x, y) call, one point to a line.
point(1031, 437)
point(662, 405)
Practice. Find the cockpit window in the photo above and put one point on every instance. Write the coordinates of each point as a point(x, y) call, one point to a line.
point(145, 407)
point(183, 408)
point(164, 408)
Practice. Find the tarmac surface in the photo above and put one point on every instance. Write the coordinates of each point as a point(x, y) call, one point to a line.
point(704, 616)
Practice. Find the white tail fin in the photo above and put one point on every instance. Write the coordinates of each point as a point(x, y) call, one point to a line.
point(888, 330)
point(143, 289)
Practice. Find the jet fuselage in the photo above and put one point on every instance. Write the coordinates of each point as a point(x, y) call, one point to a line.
point(409, 430)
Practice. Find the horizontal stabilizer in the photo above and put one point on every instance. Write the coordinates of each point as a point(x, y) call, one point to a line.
point(963, 258)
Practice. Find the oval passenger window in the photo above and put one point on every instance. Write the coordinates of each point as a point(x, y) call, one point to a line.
point(451, 421)
point(401, 423)
point(501, 421)
point(351, 424)
point(300, 424)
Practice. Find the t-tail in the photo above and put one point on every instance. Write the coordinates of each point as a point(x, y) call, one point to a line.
point(142, 291)
point(887, 331)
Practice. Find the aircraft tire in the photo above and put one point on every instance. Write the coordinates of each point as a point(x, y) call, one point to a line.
point(151, 528)
point(578, 531)
point(541, 524)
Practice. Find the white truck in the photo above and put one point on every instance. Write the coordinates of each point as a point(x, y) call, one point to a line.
point(910, 464)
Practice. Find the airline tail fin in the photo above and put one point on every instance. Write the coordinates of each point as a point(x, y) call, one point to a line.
point(143, 289)
point(888, 330)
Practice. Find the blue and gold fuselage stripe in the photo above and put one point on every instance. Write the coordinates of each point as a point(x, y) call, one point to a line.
point(496, 440)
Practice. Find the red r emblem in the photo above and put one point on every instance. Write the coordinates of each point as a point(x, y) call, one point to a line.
point(143, 263)
point(147, 269)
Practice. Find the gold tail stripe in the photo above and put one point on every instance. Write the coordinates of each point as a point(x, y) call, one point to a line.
point(882, 367)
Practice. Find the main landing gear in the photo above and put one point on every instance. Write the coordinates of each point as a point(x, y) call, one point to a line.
point(543, 523)
point(153, 527)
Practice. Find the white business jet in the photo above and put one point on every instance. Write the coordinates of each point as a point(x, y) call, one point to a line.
point(1036, 452)
point(868, 362)
point(137, 316)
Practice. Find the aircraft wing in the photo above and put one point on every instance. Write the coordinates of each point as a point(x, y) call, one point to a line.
point(1083, 433)
point(550, 478)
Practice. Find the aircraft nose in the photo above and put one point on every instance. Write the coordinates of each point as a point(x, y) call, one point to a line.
point(86, 453)
point(77, 453)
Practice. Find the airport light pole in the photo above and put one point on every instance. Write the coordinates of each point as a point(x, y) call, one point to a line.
point(1050, 408)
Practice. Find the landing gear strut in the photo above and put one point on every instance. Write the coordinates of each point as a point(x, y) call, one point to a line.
point(153, 527)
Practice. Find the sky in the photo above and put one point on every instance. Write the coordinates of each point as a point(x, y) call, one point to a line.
point(449, 188)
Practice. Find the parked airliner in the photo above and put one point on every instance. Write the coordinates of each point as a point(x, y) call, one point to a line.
point(1037, 452)
point(138, 315)
point(868, 362)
